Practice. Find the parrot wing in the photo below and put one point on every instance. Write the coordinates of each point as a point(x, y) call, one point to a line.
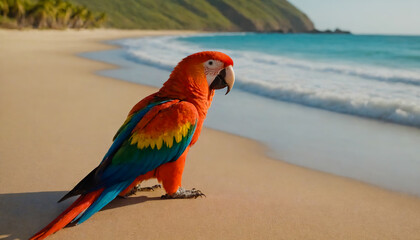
point(161, 136)
point(150, 137)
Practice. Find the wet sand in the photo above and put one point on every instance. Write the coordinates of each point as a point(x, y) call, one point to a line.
point(57, 119)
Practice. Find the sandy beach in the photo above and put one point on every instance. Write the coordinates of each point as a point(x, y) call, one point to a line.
point(57, 119)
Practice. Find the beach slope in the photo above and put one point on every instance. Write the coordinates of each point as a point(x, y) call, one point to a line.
point(57, 119)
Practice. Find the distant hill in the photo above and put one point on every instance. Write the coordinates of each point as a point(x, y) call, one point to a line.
point(216, 15)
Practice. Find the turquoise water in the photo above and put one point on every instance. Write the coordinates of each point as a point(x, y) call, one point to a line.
point(368, 76)
point(293, 100)
point(399, 52)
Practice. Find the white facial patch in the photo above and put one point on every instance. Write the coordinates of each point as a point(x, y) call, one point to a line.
point(212, 68)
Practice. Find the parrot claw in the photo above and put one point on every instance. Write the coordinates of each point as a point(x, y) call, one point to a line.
point(131, 192)
point(138, 188)
point(182, 193)
point(147, 189)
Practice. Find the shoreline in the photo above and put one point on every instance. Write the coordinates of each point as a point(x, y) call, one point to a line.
point(58, 119)
point(356, 147)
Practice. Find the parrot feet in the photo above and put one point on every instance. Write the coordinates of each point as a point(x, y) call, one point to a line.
point(138, 188)
point(147, 189)
point(183, 193)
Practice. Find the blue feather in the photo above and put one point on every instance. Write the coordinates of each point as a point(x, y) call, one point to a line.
point(126, 131)
point(127, 161)
point(106, 196)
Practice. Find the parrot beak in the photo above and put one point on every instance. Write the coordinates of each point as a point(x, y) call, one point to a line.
point(226, 78)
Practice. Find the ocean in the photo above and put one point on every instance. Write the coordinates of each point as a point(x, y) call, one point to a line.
point(343, 104)
point(368, 76)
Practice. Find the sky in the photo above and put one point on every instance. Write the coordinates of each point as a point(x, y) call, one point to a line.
point(364, 16)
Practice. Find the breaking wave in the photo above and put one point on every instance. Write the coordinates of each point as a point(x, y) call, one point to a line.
point(363, 90)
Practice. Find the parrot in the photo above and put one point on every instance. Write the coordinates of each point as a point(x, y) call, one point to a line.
point(154, 140)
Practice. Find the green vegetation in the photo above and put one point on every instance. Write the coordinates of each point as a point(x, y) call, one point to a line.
point(212, 15)
point(216, 15)
point(47, 14)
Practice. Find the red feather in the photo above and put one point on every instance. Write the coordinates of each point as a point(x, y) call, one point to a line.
point(80, 205)
point(188, 83)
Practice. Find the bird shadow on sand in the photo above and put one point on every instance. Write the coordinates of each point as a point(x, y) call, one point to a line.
point(23, 214)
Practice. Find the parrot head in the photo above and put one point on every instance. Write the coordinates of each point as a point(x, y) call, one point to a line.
point(198, 75)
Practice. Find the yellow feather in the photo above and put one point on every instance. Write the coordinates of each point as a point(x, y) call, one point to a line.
point(184, 130)
point(166, 138)
point(149, 142)
point(152, 143)
point(142, 142)
point(169, 140)
point(188, 126)
point(159, 143)
point(178, 137)
point(134, 139)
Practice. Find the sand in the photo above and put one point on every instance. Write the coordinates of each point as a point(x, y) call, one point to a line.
point(57, 119)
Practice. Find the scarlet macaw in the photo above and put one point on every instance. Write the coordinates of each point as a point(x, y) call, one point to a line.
point(154, 140)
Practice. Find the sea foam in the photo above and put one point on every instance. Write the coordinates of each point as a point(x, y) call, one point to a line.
point(381, 93)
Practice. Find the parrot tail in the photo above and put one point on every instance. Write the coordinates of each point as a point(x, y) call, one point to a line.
point(80, 205)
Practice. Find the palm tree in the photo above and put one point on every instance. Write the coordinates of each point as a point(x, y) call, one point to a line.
point(64, 12)
point(4, 8)
point(43, 14)
point(89, 21)
point(17, 9)
point(50, 14)
point(79, 16)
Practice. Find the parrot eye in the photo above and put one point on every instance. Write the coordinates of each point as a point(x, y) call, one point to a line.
point(213, 64)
